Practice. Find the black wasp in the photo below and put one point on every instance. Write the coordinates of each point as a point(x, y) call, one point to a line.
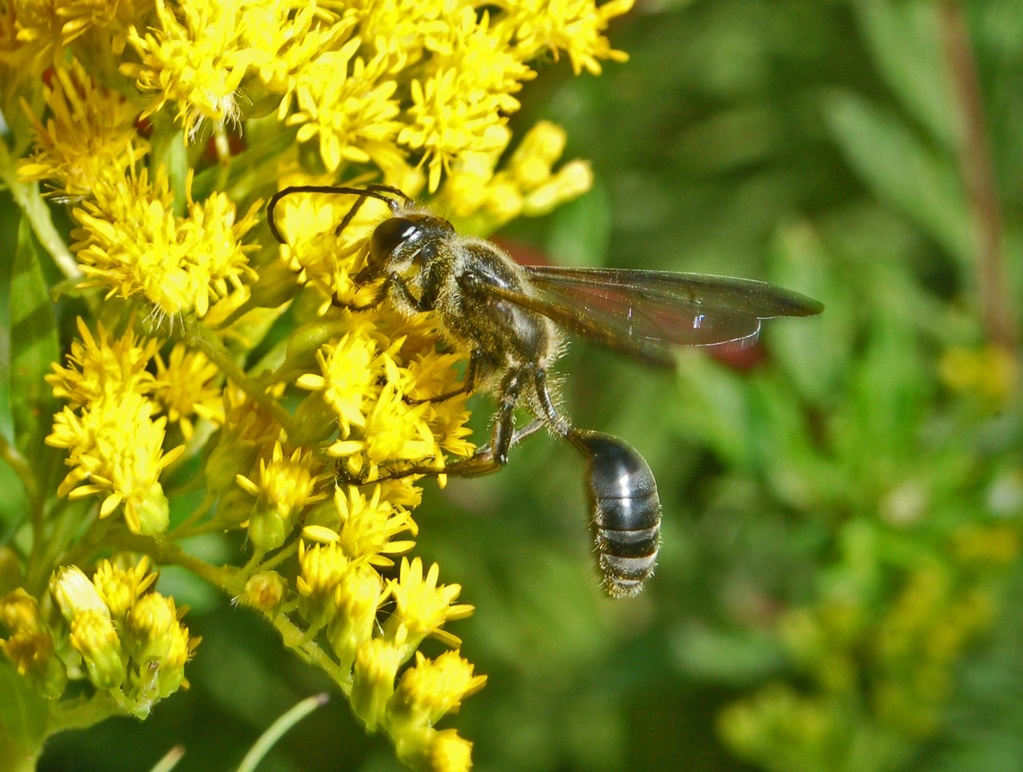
point(508, 315)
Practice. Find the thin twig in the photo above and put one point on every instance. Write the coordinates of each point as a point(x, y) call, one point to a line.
point(997, 309)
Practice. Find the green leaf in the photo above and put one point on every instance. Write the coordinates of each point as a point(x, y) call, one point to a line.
point(905, 42)
point(34, 347)
point(890, 394)
point(813, 352)
point(902, 170)
point(23, 714)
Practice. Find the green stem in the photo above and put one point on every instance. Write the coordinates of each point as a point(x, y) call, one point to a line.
point(280, 557)
point(228, 578)
point(15, 757)
point(294, 638)
point(81, 714)
point(196, 335)
point(19, 464)
point(979, 180)
point(277, 730)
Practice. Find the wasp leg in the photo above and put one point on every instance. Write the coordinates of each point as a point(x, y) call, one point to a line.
point(494, 456)
point(468, 384)
point(557, 423)
point(463, 389)
point(404, 297)
point(520, 434)
point(485, 461)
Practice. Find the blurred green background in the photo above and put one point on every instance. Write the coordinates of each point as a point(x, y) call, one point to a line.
point(842, 508)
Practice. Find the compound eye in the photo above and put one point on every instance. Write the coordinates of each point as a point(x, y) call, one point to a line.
point(391, 234)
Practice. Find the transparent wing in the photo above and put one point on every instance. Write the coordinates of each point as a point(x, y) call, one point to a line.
point(647, 314)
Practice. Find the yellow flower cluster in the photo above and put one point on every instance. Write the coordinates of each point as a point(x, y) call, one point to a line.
point(126, 640)
point(110, 428)
point(990, 373)
point(370, 81)
point(165, 125)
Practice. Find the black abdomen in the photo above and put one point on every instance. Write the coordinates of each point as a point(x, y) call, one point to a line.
point(626, 511)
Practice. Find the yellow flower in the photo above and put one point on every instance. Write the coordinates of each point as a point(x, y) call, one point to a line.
point(94, 637)
point(116, 449)
point(357, 599)
point(138, 645)
point(285, 487)
point(423, 606)
point(99, 367)
point(376, 664)
point(264, 591)
point(428, 376)
point(198, 60)
point(91, 134)
point(120, 587)
point(447, 752)
point(316, 253)
point(28, 644)
point(433, 688)
point(183, 384)
point(990, 372)
point(369, 525)
point(171, 673)
point(461, 102)
point(401, 25)
point(569, 182)
point(38, 39)
point(573, 26)
point(149, 622)
point(349, 104)
point(19, 612)
point(74, 593)
point(92, 632)
point(322, 566)
point(160, 646)
point(109, 18)
point(399, 92)
point(290, 40)
point(445, 123)
point(396, 430)
point(350, 368)
point(483, 198)
point(132, 243)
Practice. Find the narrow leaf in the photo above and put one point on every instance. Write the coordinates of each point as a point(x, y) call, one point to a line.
point(34, 346)
point(23, 714)
point(903, 170)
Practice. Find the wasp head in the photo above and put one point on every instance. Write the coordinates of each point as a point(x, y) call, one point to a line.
point(405, 245)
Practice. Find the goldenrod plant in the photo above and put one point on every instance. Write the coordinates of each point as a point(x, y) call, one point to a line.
point(174, 373)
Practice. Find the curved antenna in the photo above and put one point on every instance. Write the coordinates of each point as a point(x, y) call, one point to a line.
point(394, 198)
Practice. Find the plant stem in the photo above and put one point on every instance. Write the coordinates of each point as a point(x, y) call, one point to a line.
point(998, 313)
